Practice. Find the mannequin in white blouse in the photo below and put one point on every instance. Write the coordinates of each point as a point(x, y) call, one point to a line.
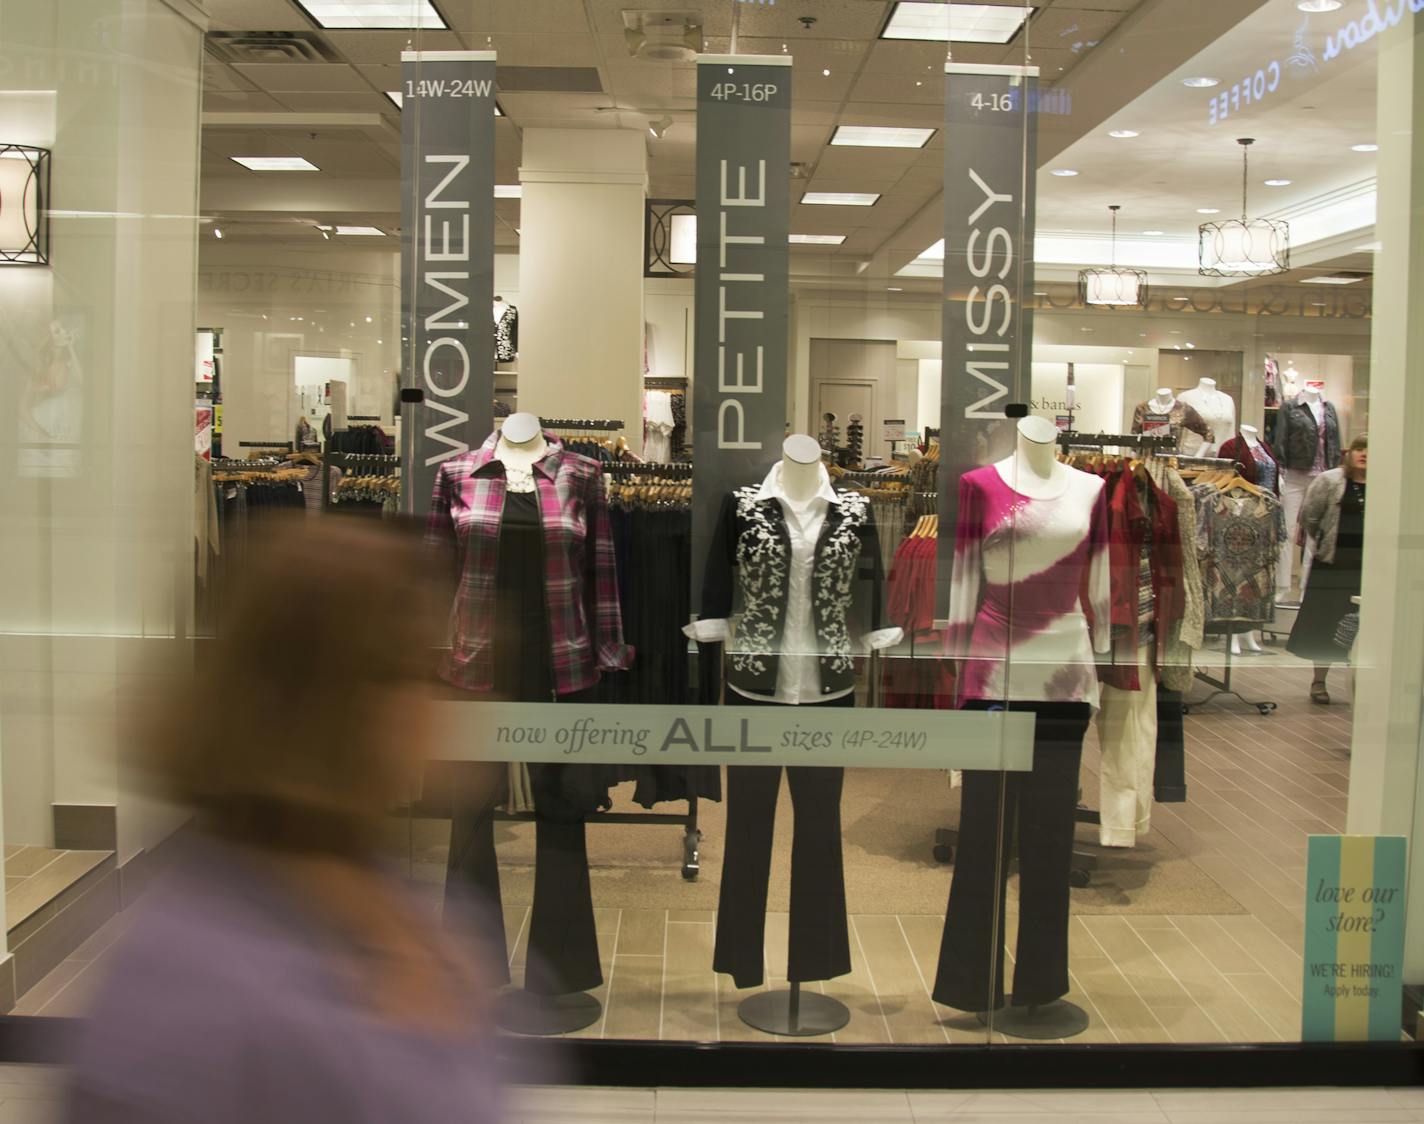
point(1034, 470)
point(801, 470)
point(521, 443)
point(1216, 409)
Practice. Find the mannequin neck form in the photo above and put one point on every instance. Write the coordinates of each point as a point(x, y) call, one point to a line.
point(499, 308)
point(1163, 400)
point(801, 467)
point(1206, 386)
point(1249, 434)
point(1034, 469)
point(521, 441)
point(1312, 395)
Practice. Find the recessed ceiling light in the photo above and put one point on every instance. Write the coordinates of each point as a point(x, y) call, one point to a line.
point(1064, 172)
point(1152, 233)
point(362, 231)
point(875, 136)
point(1317, 304)
point(508, 191)
point(1364, 148)
point(893, 289)
point(1330, 280)
point(841, 198)
point(217, 232)
point(960, 23)
point(1320, 5)
point(1190, 344)
point(364, 15)
point(816, 239)
point(276, 163)
point(1278, 183)
point(1208, 210)
point(1124, 134)
point(1201, 83)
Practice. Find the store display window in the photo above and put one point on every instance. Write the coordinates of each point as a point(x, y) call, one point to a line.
point(867, 598)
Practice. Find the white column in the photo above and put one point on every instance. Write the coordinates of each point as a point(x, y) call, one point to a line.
point(1386, 783)
point(581, 275)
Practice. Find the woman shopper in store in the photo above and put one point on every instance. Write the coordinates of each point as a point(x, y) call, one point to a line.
point(1332, 516)
point(279, 972)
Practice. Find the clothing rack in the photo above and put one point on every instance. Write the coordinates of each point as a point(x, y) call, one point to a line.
point(1223, 686)
point(363, 463)
point(1203, 462)
point(363, 417)
point(691, 838)
point(670, 470)
point(284, 445)
point(1147, 442)
point(582, 425)
point(665, 382)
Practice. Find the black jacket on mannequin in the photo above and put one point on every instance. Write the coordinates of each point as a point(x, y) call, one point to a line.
point(1296, 436)
point(751, 552)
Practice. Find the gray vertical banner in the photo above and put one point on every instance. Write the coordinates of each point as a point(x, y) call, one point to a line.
point(743, 219)
point(447, 261)
point(990, 167)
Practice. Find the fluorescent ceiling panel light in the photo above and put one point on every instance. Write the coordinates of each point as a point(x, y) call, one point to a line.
point(276, 163)
point(1320, 5)
point(1152, 233)
point(1208, 210)
point(508, 191)
point(1330, 280)
point(841, 198)
point(367, 15)
point(875, 136)
point(1124, 134)
point(362, 231)
point(1277, 183)
point(960, 23)
point(1364, 148)
point(816, 239)
point(1201, 83)
point(1065, 172)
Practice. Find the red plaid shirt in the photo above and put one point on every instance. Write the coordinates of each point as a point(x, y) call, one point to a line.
point(580, 573)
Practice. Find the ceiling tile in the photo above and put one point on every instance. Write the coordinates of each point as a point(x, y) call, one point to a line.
point(369, 102)
point(256, 15)
point(386, 46)
point(313, 77)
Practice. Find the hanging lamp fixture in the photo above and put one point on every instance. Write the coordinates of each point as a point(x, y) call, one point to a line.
point(1244, 247)
point(1113, 287)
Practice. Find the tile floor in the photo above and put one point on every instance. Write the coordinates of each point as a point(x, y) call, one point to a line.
point(34, 1095)
point(35, 876)
point(1257, 787)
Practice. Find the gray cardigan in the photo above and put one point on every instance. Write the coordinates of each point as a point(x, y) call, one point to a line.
point(1320, 512)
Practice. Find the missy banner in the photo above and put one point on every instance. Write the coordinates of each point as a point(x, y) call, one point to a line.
point(447, 261)
point(990, 121)
point(606, 734)
point(1354, 938)
point(743, 216)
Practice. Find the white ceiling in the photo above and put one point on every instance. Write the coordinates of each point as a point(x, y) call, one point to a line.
point(1120, 61)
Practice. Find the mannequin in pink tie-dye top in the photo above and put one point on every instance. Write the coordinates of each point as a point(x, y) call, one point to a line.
point(1030, 601)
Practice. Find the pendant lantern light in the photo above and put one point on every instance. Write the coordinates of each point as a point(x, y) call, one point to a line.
point(1244, 247)
point(24, 205)
point(1113, 287)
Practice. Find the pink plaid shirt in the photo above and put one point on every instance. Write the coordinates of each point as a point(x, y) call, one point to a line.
point(580, 578)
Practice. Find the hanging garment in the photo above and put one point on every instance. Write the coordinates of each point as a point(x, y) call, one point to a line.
point(679, 427)
point(1127, 735)
point(1178, 642)
point(1217, 410)
point(925, 680)
point(1030, 599)
point(1294, 485)
point(1300, 443)
point(1039, 808)
point(1256, 463)
point(1169, 775)
point(818, 945)
point(1238, 537)
point(1333, 518)
point(810, 585)
point(657, 425)
point(585, 627)
point(506, 336)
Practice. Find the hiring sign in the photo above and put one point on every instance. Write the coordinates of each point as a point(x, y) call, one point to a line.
point(447, 261)
point(743, 211)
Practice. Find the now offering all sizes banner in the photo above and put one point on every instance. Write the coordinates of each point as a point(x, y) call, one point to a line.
point(447, 261)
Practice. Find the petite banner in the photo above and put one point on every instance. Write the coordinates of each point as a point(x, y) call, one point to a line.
point(602, 734)
point(743, 219)
point(990, 164)
point(1354, 939)
point(447, 260)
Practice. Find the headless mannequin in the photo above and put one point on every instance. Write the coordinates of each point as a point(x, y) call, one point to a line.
point(499, 309)
point(1290, 383)
point(1316, 401)
point(1216, 408)
point(800, 467)
point(521, 444)
point(1163, 401)
point(1034, 469)
point(1251, 435)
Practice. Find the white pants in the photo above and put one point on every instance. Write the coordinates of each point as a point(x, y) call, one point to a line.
point(1127, 734)
point(1294, 483)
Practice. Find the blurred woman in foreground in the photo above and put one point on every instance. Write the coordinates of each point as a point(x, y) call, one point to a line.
point(279, 973)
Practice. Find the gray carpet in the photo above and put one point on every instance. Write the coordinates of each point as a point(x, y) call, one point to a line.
point(888, 821)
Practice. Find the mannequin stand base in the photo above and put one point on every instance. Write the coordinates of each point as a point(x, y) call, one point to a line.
point(527, 1012)
point(1059, 1019)
point(794, 1013)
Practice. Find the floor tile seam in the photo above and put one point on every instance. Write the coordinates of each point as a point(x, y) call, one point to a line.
point(1153, 954)
point(519, 935)
point(1138, 995)
point(612, 971)
point(1077, 985)
point(662, 985)
point(870, 975)
point(915, 960)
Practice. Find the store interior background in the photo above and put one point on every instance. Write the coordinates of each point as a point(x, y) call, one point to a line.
point(187, 92)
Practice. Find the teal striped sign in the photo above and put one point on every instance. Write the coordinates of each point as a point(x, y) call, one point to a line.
point(1354, 939)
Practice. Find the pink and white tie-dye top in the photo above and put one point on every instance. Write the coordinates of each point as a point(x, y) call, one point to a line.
point(1030, 601)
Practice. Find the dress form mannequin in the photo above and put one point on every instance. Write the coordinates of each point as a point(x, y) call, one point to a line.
point(499, 309)
point(1251, 434)
point(1290, 382)
point(1216, 409)
point(800, 467)
point(521, 444)
point(1163, 401)
point(1034, 470)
